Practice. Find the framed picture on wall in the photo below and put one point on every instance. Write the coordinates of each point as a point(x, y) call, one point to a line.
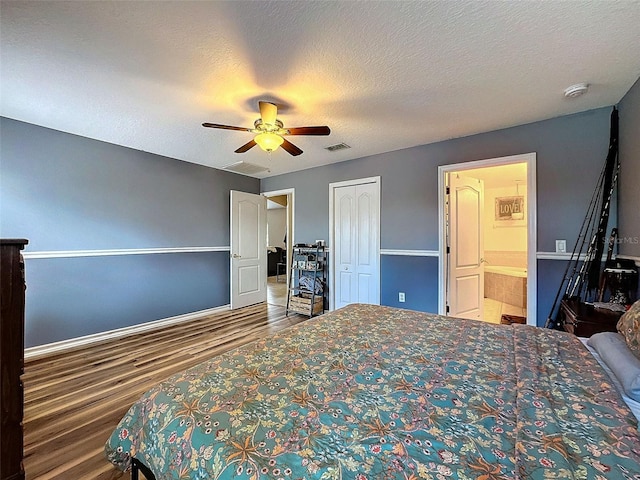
point(509, 211)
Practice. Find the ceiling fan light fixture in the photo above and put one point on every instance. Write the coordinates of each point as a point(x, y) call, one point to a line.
point(268, 141)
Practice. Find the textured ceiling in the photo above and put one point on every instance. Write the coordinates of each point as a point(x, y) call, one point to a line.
point(382, 75)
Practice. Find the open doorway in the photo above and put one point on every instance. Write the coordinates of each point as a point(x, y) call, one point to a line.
point(279, 242)
point(505, 273)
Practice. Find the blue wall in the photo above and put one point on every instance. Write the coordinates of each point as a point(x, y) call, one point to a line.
point(71, 297)
point(550, 275)
point(408, 274)
point(570, 150)
point(64, 192)
point(629, 185)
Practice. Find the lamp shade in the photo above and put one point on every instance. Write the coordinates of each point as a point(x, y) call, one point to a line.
point(268, 141)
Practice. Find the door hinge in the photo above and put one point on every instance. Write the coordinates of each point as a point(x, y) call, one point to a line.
point(447, 191)
point(446, 309)
point(448, 249)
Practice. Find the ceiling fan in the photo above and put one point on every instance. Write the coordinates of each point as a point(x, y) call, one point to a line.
point(270, 131)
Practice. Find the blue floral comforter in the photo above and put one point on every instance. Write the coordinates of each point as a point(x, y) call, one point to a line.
point(372, 392)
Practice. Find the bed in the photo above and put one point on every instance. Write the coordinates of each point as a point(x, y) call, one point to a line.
point(370, 392)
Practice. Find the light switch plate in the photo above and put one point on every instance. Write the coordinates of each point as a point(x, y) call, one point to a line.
point(561, 246)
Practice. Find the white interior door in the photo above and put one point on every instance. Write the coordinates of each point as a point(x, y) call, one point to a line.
point(466, 242)
point(248, 249)
point(356, 241)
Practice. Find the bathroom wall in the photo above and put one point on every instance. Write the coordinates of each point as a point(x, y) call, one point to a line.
point(508, 289)
point(505, 241)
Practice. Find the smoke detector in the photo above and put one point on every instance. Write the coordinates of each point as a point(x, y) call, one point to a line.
point(576, 90)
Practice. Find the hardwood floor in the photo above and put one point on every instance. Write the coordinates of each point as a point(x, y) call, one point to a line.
point(74, 400)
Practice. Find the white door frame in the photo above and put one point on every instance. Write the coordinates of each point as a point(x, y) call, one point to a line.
point(332, 270)
point(291, 195)
point(532, 226)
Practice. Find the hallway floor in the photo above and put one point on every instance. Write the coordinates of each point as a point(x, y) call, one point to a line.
point(493, 310)
point(277, 291)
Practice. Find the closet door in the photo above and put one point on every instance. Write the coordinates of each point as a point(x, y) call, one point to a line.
point(357, 239)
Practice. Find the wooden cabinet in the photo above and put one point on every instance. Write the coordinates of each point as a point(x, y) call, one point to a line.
point(584, 320)
point(12, 288)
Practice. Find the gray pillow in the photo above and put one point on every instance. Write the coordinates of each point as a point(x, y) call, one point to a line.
point(614, 351)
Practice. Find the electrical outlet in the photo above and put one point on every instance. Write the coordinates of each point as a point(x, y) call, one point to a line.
point(401, 297)
point(561, 246)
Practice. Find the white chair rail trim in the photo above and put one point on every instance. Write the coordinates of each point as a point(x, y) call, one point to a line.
point(410, 253)
point(557, 256)
point(155, 251)
point(119, 251)
point(435, 253)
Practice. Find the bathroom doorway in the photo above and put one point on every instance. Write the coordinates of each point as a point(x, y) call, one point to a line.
point(506, 285)
point(280, 206)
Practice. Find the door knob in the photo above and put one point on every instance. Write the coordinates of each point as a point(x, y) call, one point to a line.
point(235, 255)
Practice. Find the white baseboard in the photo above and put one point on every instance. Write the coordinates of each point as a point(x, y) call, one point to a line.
point(61, 346)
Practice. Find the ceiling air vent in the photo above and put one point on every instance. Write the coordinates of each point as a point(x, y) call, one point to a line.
point(337, 146)
point(245, 168)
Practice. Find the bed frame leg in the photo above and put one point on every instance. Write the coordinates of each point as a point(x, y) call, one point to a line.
point(134, 469)
point(137, 467)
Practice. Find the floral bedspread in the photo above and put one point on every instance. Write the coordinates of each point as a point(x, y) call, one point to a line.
point(372, 392)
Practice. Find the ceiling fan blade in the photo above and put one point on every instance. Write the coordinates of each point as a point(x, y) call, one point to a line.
point(246, 146)
point(324, 130)
point(226, 127)
point(268, 112)
point(291, 148)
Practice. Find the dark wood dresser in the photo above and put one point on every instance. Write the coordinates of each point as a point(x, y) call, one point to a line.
point(12, 287)
point(584, 320)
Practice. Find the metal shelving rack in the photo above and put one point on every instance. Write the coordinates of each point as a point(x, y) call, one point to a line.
point(307, 296)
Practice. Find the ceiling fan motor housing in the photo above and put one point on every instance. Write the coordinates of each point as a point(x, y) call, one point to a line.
point(260, 126)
